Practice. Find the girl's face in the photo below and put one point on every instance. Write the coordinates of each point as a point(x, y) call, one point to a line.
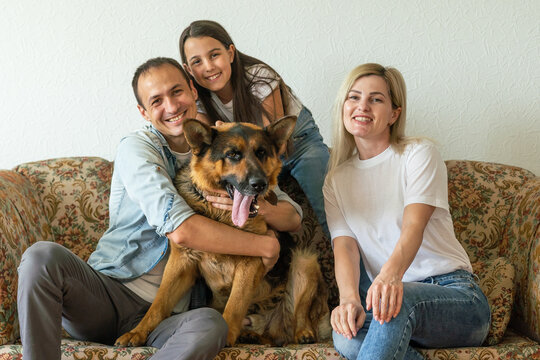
point(209, 62)
point(368, 112)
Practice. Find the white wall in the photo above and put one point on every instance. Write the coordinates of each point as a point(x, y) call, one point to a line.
point(472, 67)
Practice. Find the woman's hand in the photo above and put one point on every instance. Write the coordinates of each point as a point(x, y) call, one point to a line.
point(385, 296)
point(348, 318)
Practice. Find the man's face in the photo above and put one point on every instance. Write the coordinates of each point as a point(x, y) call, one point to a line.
point(168, 100)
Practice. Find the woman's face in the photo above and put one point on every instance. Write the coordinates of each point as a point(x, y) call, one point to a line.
point(368, 112)
point(209, 62)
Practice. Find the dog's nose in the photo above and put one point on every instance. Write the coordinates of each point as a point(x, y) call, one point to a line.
point(258, 184)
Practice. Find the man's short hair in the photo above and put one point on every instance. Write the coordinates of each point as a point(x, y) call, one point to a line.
point(151, 64)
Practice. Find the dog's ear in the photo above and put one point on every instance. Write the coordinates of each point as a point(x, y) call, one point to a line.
point(280, 131)
point(198, 135)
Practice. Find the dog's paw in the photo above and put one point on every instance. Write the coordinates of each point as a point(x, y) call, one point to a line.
point(131, 339)
point(232, 336)
point(304, 337)
point(251, 337)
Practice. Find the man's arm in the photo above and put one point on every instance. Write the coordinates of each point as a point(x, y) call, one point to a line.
point(201, 233)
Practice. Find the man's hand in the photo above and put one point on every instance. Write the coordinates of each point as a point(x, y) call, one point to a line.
point(269, 262)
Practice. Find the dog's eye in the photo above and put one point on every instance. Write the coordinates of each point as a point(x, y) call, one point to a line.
point(260, 153)
point(233, 155)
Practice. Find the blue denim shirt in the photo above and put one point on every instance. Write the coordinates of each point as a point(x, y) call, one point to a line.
point(143, 207)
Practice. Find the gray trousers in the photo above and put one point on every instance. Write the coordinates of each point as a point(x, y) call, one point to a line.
point(56, 288)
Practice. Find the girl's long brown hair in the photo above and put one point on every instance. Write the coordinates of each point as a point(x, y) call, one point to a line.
point(247, 107)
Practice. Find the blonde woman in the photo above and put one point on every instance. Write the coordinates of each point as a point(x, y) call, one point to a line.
point(386, 202)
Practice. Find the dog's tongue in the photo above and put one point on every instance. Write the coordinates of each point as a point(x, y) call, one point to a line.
point(240, 210)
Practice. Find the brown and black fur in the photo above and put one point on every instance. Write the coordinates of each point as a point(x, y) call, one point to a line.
point(289, 304)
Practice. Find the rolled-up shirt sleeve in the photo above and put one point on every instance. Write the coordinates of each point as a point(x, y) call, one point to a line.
point(142, 169)
point(282, 196)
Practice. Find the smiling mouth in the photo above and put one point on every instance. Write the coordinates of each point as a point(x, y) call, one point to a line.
point(213, 77)
point(176, 118)
point(362, 119)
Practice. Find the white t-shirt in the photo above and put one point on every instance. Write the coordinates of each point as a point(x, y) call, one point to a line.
point(147, 285)
point(261, 90)
point(365, 199)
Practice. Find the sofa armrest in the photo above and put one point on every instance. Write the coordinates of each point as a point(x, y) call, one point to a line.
point(521, 244)
point(22, 222)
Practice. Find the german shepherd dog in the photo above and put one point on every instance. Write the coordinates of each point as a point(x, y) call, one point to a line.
point(244, 160)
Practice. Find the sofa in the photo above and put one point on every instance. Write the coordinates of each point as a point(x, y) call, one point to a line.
point(495, 208)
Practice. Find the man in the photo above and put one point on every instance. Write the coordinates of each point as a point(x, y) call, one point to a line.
point(106, 297)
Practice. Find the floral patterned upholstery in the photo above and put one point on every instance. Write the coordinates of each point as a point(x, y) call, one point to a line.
point(21, 223)
point(496, 278)
point(496, 212)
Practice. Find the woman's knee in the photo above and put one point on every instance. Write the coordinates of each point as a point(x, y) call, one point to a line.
point(346, 348)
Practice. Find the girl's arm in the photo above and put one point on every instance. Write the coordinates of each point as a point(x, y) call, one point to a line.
point(386, 292)
point(349, 316)
point(274, 106)
point(281, 217)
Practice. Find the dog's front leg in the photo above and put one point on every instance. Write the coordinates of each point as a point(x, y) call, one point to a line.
point(247, 276)
point(178, 277)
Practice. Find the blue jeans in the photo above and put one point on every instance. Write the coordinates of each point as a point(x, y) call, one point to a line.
point(309, 162)
point(441, 311)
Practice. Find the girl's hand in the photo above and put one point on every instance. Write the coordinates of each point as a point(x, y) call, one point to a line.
point(348, 318)
point(220, 200)
point(385, 296)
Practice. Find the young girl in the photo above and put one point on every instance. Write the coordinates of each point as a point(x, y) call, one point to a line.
point(386, 198)
point(236, 87)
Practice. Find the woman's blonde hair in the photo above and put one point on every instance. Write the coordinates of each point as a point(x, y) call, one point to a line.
point(343, 145)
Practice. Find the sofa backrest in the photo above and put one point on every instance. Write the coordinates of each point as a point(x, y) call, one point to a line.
point(482, 196)
point(494, 208)
point(75, 194)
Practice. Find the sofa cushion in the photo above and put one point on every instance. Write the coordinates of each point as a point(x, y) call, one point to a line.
point(496, 278)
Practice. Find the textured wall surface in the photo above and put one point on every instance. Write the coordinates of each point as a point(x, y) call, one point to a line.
point(472, 67)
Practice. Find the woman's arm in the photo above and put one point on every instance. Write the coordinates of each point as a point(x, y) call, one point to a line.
point(386, 292)
point(349, 316)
